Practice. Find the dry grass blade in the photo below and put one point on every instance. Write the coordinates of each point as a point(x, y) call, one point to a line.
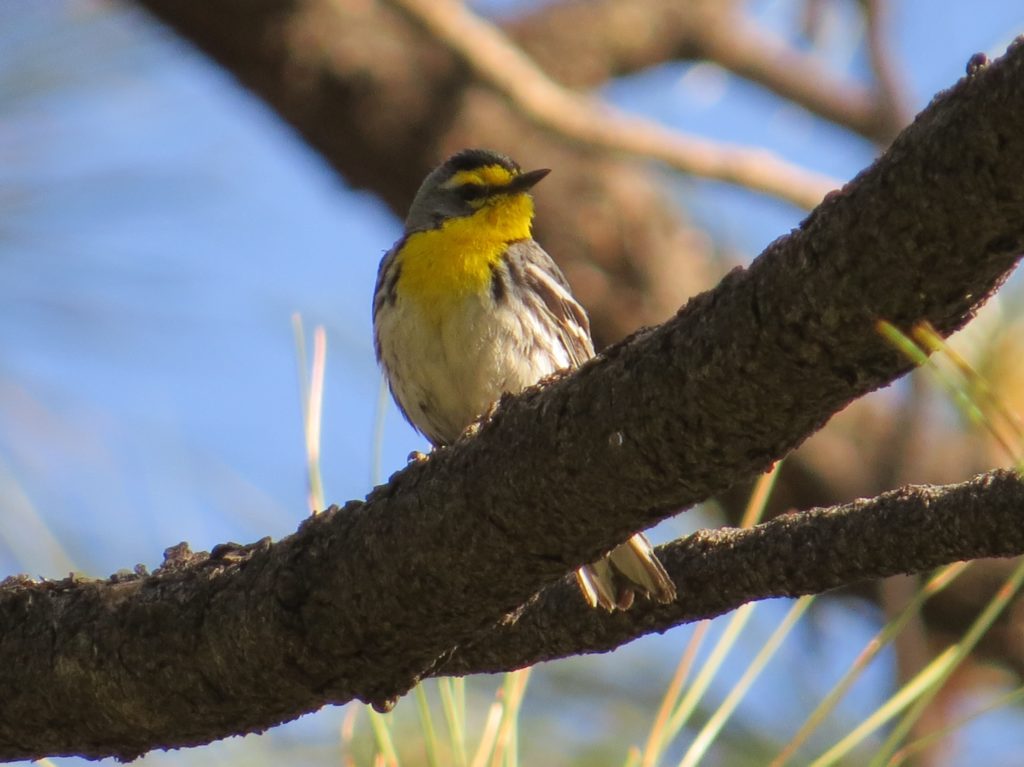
point(658, 738)
point(311, 388)
point(737, 622)
point(506, 748)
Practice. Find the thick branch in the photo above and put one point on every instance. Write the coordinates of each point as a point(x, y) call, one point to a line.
point(363, 602)
point(910, 530)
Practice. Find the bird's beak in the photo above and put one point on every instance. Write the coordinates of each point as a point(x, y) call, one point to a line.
point(525, 181)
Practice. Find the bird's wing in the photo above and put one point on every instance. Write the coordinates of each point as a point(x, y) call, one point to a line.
point(541, 274)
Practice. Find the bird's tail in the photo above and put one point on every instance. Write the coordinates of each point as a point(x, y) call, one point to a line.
point(630, 569)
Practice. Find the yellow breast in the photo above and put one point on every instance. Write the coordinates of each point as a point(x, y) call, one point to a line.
point(441, 267)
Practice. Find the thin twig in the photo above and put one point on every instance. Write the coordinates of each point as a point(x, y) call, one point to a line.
point(741, 47)
point(506, 68)
point(581, 45)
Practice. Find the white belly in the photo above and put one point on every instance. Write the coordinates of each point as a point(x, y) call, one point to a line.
point(446, 374)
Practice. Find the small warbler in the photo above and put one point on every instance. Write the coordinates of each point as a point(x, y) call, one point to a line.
point(468, 306)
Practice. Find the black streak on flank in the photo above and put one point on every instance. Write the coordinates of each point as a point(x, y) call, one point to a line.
point(389, 290)
point(499, 290)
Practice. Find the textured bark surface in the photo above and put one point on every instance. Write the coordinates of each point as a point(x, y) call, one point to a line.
point(215, 642)
point(910, 530)
point(232, 640)
point(360, 602)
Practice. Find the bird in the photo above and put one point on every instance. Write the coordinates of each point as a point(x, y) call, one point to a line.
point(468, 306)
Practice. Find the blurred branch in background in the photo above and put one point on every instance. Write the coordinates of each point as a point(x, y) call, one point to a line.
point(583, 44)
point(576, 118)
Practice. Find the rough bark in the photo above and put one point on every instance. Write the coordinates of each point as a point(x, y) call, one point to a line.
point(909, 530)
point(204, 634)
point(364, 601)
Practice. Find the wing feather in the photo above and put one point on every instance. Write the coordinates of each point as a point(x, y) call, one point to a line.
point(542, 276)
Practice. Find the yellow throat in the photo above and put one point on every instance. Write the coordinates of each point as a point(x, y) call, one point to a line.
point(440, 267)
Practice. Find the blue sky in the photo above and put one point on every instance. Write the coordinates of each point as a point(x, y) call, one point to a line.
point(159, 227)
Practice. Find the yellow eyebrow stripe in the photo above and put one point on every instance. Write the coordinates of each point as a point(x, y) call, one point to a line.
point(489, 175)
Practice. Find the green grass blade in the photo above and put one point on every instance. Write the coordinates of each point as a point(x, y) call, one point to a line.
point(759, 497)
point(489, 736)
point(886, 634)
point(733, 629)
point(960, 650)
point(714, 725)
point(381, 725)
point(902, 342)
point(299, 334)
point(348, 734)
point(1003, 701)
point(24, 525)
point(427, 726)
point(459, 688)
point(315, 418)
point(976, 397)
point(456, 723)
point(506, 748)
point(891, 708)
point(311, 389)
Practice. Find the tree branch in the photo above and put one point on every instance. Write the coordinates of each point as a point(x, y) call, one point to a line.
point(583, 44)
point(910, 530)
point(733, 42)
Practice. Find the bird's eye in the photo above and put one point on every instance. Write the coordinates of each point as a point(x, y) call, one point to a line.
point(471, 191)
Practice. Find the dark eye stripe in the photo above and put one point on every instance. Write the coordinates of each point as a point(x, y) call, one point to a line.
point(471, 191)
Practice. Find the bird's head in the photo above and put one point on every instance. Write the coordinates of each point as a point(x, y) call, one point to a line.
point(469, 182)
